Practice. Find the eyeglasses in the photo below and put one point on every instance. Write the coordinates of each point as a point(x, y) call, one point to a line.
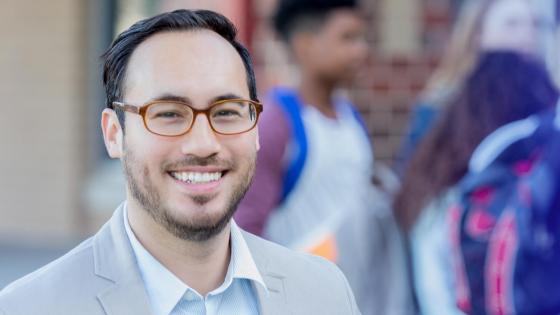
point(175, 118)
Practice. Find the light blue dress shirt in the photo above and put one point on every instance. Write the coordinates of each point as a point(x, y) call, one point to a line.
point(168, 295)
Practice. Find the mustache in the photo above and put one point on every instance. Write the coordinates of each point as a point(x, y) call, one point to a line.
point(198, 161)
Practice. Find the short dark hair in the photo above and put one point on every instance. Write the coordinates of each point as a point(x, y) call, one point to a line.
point(117, 56)
point(294, 15)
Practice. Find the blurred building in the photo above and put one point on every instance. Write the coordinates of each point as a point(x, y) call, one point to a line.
point(57, 184)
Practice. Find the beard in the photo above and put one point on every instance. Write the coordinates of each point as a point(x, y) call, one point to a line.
point(192, 229)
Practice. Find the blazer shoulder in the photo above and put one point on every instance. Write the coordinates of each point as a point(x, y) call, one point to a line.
point(278, 256)
point(312, 279)
point(64, 276)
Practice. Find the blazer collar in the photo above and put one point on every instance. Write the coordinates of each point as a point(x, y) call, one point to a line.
point(273, 301)
point(114, 260)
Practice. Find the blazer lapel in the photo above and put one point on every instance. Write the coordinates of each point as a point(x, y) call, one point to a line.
point(125, 298)
point(114, 261)
point(273, 301)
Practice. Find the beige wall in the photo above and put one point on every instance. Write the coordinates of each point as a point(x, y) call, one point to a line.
point(400, 27)
point(40, 72)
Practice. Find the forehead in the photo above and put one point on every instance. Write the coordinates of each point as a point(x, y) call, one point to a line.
point(197, 64)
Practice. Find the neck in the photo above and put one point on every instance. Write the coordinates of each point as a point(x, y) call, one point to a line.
point(318, 93)
point(201, 265)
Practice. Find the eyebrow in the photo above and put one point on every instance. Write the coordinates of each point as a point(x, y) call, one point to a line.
point(228, 96)
point(171, 97)
point(177, 98)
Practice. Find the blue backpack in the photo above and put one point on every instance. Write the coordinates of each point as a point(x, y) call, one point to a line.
point(290, 103)
point(505, 229)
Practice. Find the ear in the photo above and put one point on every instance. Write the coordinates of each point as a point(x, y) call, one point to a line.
point(112, 133)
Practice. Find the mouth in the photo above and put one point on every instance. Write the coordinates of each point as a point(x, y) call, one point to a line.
point(197, 177)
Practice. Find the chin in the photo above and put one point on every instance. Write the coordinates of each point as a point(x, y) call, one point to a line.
point(191, 211)
point(199, 226)
point(191, 220)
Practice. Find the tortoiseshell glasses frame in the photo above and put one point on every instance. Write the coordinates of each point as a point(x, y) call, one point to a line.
point(175, 118)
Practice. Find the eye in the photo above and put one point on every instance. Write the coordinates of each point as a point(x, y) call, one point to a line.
point(227, 113)
point(168, 115)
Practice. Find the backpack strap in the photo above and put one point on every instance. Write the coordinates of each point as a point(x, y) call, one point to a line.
point(289, 101)
point(493, 146)
point(360, 120)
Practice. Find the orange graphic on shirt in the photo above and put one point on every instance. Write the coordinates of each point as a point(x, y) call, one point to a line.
point(325, 248)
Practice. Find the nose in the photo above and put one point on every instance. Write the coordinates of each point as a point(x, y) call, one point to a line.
point(361, 49)
point(201, 140)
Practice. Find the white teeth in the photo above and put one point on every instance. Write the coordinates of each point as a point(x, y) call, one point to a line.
point(196, 178)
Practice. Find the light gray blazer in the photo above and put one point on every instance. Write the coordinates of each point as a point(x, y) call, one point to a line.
point(100, 276)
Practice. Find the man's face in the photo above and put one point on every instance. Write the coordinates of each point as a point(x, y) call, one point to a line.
point(189, 184)
point(339, 49)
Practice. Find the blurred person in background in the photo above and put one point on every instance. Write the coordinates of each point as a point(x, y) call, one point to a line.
point(482, 25)
point(313, 184)
point(181, 114)
point(505, 224)
point(504, 86)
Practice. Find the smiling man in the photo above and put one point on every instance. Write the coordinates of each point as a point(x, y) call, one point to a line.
point(181, 117)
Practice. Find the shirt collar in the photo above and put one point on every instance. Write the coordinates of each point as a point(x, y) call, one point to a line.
point(165, 290)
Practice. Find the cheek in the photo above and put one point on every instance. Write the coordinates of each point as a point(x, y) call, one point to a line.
point(243, 148)
point(319, 53)
point(149, 150)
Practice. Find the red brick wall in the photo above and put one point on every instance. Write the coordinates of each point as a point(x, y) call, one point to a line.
point(396, 81)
